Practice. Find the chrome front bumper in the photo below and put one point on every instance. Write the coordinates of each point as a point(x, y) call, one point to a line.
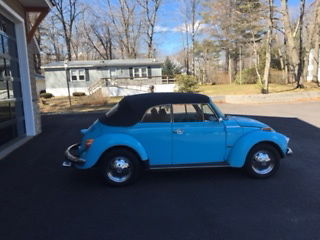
point(71, 155)
point(289, 151)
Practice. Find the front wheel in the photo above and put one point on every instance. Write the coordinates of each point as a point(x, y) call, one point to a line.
point(262, 161)
point(120, 167)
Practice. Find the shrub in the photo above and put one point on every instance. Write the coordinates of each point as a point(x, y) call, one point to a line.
point(46, 95)
point(186, 83)
point(248, 76)
point(43, 91)
point(78, 94)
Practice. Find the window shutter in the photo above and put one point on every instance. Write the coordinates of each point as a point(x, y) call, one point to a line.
point(149, 72)
point(87, 75)
point(131, 72)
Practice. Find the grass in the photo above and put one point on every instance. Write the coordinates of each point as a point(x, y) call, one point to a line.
point(79, 104)
point(98, 103)
point(247, 89)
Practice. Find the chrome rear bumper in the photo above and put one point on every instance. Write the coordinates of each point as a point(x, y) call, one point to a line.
point(71, 155)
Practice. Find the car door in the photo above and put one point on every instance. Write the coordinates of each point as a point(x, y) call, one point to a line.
point(155, 134)
point(197, 135)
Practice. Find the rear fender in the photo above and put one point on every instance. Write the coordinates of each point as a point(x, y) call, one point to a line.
point(241, 148)
point(107, 141)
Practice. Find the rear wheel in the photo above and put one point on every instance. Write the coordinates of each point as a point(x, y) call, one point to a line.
point(120, 167)
point(262, 161)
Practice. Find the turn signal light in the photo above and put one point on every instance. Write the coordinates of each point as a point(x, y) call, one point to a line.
point(267, 129)
point(88, 143)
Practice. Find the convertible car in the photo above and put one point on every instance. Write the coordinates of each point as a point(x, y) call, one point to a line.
point(173, 131)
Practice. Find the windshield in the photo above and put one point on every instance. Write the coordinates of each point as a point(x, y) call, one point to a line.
point(217, 110)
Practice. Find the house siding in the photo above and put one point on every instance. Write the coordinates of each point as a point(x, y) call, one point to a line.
point(56, 82)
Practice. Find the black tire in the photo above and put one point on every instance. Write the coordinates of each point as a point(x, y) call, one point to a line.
point(120, 167)
point(262, 161)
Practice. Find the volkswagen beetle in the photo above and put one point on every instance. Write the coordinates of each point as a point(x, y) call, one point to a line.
point(172, 131)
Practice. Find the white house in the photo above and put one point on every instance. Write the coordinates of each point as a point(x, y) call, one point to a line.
point(117, 77)
point(311, 66)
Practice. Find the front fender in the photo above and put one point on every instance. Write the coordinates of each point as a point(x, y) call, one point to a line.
point(107, 141)
point(241, 148)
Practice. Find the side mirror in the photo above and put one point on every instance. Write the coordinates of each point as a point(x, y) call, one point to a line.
point(220, 119)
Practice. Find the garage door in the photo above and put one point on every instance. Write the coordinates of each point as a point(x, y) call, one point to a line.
point(12, 124)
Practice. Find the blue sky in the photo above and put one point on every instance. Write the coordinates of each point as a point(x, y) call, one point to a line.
point(169, 41)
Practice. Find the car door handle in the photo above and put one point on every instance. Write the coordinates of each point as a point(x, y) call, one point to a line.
point(178, 131)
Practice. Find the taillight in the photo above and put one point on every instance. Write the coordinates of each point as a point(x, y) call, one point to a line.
point(88, 142)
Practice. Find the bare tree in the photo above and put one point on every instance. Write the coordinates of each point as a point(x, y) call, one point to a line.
point(150, 10)
point(310, 35)
point(235, 25)
point(268, 49)
point(127, 24)
point(191, 24)
point(97, 32)
point(294, 48)
point(51, 39)
point(67, 12)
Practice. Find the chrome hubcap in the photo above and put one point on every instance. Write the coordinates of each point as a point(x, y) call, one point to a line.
point(262, 163)
point(119, 169)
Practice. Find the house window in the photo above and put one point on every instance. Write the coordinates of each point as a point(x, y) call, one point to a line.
point(136, 72)
point(78, 74)
point(143, 72)
point(140, 72)
point(82, 73)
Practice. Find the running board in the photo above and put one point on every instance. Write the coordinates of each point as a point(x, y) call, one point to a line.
point(188, 166)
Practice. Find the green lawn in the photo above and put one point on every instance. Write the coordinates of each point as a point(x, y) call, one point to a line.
point(245, 89)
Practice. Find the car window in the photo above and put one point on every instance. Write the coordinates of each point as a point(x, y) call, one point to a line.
point(187, 113)
point(161, 113)
point(208, 114)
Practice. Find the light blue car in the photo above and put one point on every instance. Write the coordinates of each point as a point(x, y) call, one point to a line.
point(173, 131)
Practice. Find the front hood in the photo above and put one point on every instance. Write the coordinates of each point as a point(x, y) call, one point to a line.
point(247, 122)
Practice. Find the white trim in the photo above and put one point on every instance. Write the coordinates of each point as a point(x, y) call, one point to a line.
point(29, 113)
point(77, 74)
point(140, 73)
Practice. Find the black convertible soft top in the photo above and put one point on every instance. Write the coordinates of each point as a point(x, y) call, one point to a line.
point(131, 109)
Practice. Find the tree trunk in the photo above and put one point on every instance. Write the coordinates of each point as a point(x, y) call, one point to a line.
point(193, 33)
point(315, 61)
point(256, 62)
point(266, 74)
point(301, 58)
point(291, 48)
point(230, 69)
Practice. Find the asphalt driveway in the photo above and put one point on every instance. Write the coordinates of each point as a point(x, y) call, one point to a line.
point(41, 200)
